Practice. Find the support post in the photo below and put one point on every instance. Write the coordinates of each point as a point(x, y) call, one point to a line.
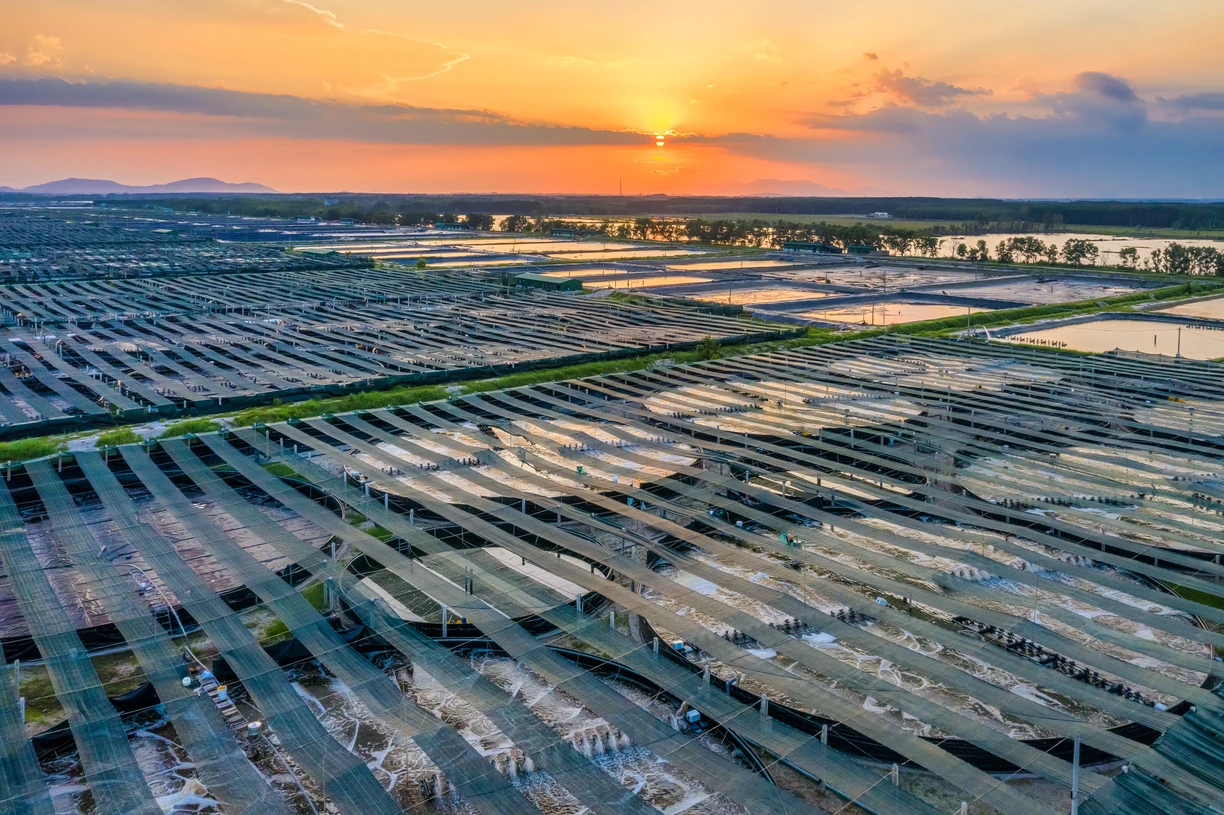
point(444, 616)
point(1075, 774)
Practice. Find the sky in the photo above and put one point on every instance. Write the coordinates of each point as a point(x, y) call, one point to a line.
point(1074, 98)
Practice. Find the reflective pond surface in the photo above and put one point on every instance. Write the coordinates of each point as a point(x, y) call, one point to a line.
point(1146, 336)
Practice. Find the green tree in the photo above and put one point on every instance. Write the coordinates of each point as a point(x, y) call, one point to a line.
point(421, 264)
point(1076, 250)
point(1128, 256)
point(708, 348)
point(478, 221)
point(516, 223)
point(1051, 252)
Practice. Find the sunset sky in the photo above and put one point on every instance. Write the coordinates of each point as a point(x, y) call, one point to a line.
point(1093, 98)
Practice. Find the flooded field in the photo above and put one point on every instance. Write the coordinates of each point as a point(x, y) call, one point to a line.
point(586, 271)
point(1210, 309)
point(743, 263)
point(1042, 292)
point(644, 282)
point(760, 295)
point(870, 276)
point(1144, 336)
point(890, 313)
point(622, 252)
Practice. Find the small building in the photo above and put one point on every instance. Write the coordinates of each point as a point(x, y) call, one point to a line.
point(540, 281)
point(815, 247)
point(866, 249)
point(451, 226)
point(878, 215)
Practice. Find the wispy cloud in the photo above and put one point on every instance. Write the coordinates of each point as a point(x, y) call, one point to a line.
point(327, 16)
point(1195, 102)
point(297, 117)
point(923, 92)
point(44, 52)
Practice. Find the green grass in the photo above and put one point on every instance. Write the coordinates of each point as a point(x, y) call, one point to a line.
point(314, 595)
point(281, 470)
point(190, 426)
point(365, 400)
point(276, 630)
point(30, 448)
point(113, 438)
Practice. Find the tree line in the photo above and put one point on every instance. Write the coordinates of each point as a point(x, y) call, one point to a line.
point(728, 232)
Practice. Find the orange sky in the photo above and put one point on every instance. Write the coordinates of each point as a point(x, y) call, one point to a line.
point(542, 96)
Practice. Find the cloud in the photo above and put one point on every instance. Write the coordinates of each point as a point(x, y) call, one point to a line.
point(325, 15)
point(1191, 103)
point(871, 55)
point(1089, 145)
point(6, 58)
point(922, 92)
point(1105, 85)
point(44, 51)
point(238, 113)
point(768, 52)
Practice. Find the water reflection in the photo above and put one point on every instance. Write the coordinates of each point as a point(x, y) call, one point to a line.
point(1144, 336)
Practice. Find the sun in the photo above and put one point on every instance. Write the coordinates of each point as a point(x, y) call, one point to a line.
point(660, 139)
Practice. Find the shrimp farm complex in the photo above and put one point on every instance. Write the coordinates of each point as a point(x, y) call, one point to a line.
point(891, 573)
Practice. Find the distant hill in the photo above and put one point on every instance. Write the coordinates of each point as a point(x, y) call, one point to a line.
point(797, 187)
point(91, 186)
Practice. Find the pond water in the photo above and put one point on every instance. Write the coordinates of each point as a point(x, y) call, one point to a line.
point(742, 263)
point(613, 254)
point(643, 282)
point(760, 295)
point(890, 313)
point(1210, 309)
point(1146, 336)
point(1042, 292)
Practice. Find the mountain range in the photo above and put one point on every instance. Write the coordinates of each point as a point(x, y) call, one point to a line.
point(93, 186)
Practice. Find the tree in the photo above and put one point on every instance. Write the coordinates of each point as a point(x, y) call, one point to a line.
point(929, 245)
point(478, 221)
point(1005, 253)
point(1128, 256)
point(708, 348)
point(1051, 252)
point(421, 264)
point(1076, 250)
point(516, 223)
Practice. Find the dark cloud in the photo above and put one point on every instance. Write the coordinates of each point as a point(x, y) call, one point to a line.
point(1087, 146)
point(871, 55)
point(1106, 85)
point(298, 117)
point(1196, 102)
point(922, 92)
